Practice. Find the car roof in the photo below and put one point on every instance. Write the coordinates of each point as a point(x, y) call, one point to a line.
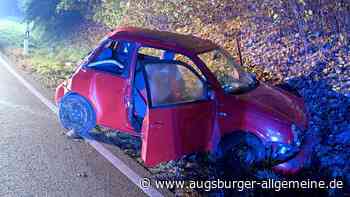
point(163, 39)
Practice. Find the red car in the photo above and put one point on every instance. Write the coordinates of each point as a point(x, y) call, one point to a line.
point(181, 95)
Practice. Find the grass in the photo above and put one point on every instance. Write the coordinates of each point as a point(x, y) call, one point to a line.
point(56, 63)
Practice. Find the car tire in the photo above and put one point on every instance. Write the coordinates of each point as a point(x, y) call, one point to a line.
point(76, 113)
point(242, 152)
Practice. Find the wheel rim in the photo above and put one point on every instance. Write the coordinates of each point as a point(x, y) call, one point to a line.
point(74, 115)
point(244, 154)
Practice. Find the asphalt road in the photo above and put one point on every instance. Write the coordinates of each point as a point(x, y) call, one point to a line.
point(36, 159)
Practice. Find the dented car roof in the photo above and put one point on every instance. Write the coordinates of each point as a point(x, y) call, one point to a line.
point(164, 39)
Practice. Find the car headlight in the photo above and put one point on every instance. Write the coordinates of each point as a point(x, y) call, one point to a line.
point(281, 152)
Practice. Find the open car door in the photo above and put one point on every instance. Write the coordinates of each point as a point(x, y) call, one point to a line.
point(180, 116)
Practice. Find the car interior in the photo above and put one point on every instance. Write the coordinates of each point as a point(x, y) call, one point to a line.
point(139, 90)
point(120, 52)
point(113, 58)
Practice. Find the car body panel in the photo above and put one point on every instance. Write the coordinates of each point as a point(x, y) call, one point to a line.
point(103, 90)
point(175, 131)
point(265, 110)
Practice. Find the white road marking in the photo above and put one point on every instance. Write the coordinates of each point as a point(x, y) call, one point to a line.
point(115, 161)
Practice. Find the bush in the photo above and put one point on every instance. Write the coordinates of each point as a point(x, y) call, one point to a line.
point(11, 33)
point(51, 18)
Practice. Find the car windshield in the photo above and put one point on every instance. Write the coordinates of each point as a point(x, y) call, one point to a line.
point(232, 77)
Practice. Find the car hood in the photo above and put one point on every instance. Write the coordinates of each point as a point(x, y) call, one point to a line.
point(273, 100)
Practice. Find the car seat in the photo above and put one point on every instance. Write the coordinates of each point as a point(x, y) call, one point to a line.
point(139, 94)
point(174, 75)
point(122, 52)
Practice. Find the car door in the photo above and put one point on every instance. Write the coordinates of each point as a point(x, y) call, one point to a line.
point(180, 116)
point(110, 86)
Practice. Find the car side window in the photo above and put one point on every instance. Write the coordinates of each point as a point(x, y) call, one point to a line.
point(113, 57)
point(187, 60)
point(172, 82)
point(149, 53)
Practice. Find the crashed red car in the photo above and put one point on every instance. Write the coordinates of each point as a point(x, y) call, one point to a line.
point(181, 95)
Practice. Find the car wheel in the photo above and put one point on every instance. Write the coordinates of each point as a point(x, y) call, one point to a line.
point(76, 112)
point(242, 152)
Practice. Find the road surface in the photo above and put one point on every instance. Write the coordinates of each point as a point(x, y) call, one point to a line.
point(36, 159)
